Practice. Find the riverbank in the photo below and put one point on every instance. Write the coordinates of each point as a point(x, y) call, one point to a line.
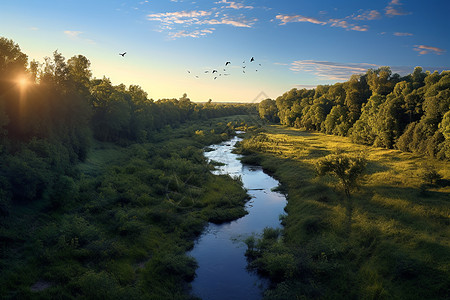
point(222, 272)
point(124, 229)
point(398, 244)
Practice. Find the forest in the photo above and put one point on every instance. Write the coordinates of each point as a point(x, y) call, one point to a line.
point(102, 190)
point(409, 113)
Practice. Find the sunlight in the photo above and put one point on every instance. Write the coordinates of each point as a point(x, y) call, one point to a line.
point(23, 82)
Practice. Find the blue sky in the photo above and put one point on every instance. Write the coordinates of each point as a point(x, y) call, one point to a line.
point(170, 44)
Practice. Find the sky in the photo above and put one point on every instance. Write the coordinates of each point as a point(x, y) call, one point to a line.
point(173, 46)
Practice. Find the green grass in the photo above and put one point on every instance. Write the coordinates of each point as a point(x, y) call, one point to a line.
point(124, 230)
point(398, 244)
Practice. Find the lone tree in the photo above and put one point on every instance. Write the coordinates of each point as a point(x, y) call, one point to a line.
point(347, 168)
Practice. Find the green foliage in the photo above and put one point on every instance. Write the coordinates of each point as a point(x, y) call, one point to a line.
point(347, 168)
point(378, 108)
point(87, 213)
point(430, 175)
point(268, 110)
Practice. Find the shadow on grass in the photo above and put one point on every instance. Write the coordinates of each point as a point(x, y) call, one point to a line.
point(375, 167)
point(290, 132)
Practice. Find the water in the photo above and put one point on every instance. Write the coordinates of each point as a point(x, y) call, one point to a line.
point(220, 250)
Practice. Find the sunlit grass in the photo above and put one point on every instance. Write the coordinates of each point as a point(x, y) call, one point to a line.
point(399, 243)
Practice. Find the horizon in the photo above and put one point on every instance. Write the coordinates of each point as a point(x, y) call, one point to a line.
point(168, 43)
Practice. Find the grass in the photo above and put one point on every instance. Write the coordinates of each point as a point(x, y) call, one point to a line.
point(398, 246)
point(124, 230)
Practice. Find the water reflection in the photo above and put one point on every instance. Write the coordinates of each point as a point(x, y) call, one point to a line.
point(220, 250)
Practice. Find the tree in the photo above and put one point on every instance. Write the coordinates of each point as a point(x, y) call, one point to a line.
point(348, 169)
point(268, 110)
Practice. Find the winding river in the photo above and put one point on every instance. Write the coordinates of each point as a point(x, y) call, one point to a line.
point(220, 250)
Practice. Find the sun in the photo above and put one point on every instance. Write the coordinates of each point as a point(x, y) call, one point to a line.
point(23, 82)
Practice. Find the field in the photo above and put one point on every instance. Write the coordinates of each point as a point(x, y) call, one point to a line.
point(390, 240)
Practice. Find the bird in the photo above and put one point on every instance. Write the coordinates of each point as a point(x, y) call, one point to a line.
point(214, 71)
point(123, 54)
point(227, 63)
point(189, 71)
point(215, 78)
point(252, 59)
point(206, 71)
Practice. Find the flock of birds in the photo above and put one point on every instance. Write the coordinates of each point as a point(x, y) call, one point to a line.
point(215, 72)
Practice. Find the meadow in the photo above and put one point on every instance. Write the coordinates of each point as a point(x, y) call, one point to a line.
point(390, 240)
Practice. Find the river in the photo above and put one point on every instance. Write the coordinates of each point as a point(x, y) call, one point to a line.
point(220, 250)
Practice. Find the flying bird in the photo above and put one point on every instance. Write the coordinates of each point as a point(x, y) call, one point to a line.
point(123, 54)
point(214, 71)
point(253, 59)
point(227, 63)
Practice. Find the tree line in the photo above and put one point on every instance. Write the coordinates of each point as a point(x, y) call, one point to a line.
point(50, 113)
point(409, 113)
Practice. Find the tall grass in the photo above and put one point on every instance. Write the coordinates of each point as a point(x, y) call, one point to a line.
point(399, 242)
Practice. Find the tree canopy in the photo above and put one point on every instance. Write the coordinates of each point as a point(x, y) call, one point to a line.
point(378, 108)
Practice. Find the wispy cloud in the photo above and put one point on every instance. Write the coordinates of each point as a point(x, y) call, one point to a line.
point(422, 49)
point(394, 9)
point(367, 15)
point(330, 70)
point(193, 34)
point(197, 23)
point(76, 35)
point(402, 34)
point(234, 5)
point(72, 34)
point(348, 26)
point(342, 23)
point(298, 18)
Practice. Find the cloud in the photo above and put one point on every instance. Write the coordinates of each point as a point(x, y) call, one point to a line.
point(298, 18)
point(193, 34)
point(348, 26)
point(342, 23)
point(235, 23)
point(392, 11)
point(75, 35)
point(234, 5)
point(360, 28)
point(422, 49)
point(179, 17)
point(196, 23)
point(402, 34)
point(368, 15)
point(330, 70)
point(72, 34)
